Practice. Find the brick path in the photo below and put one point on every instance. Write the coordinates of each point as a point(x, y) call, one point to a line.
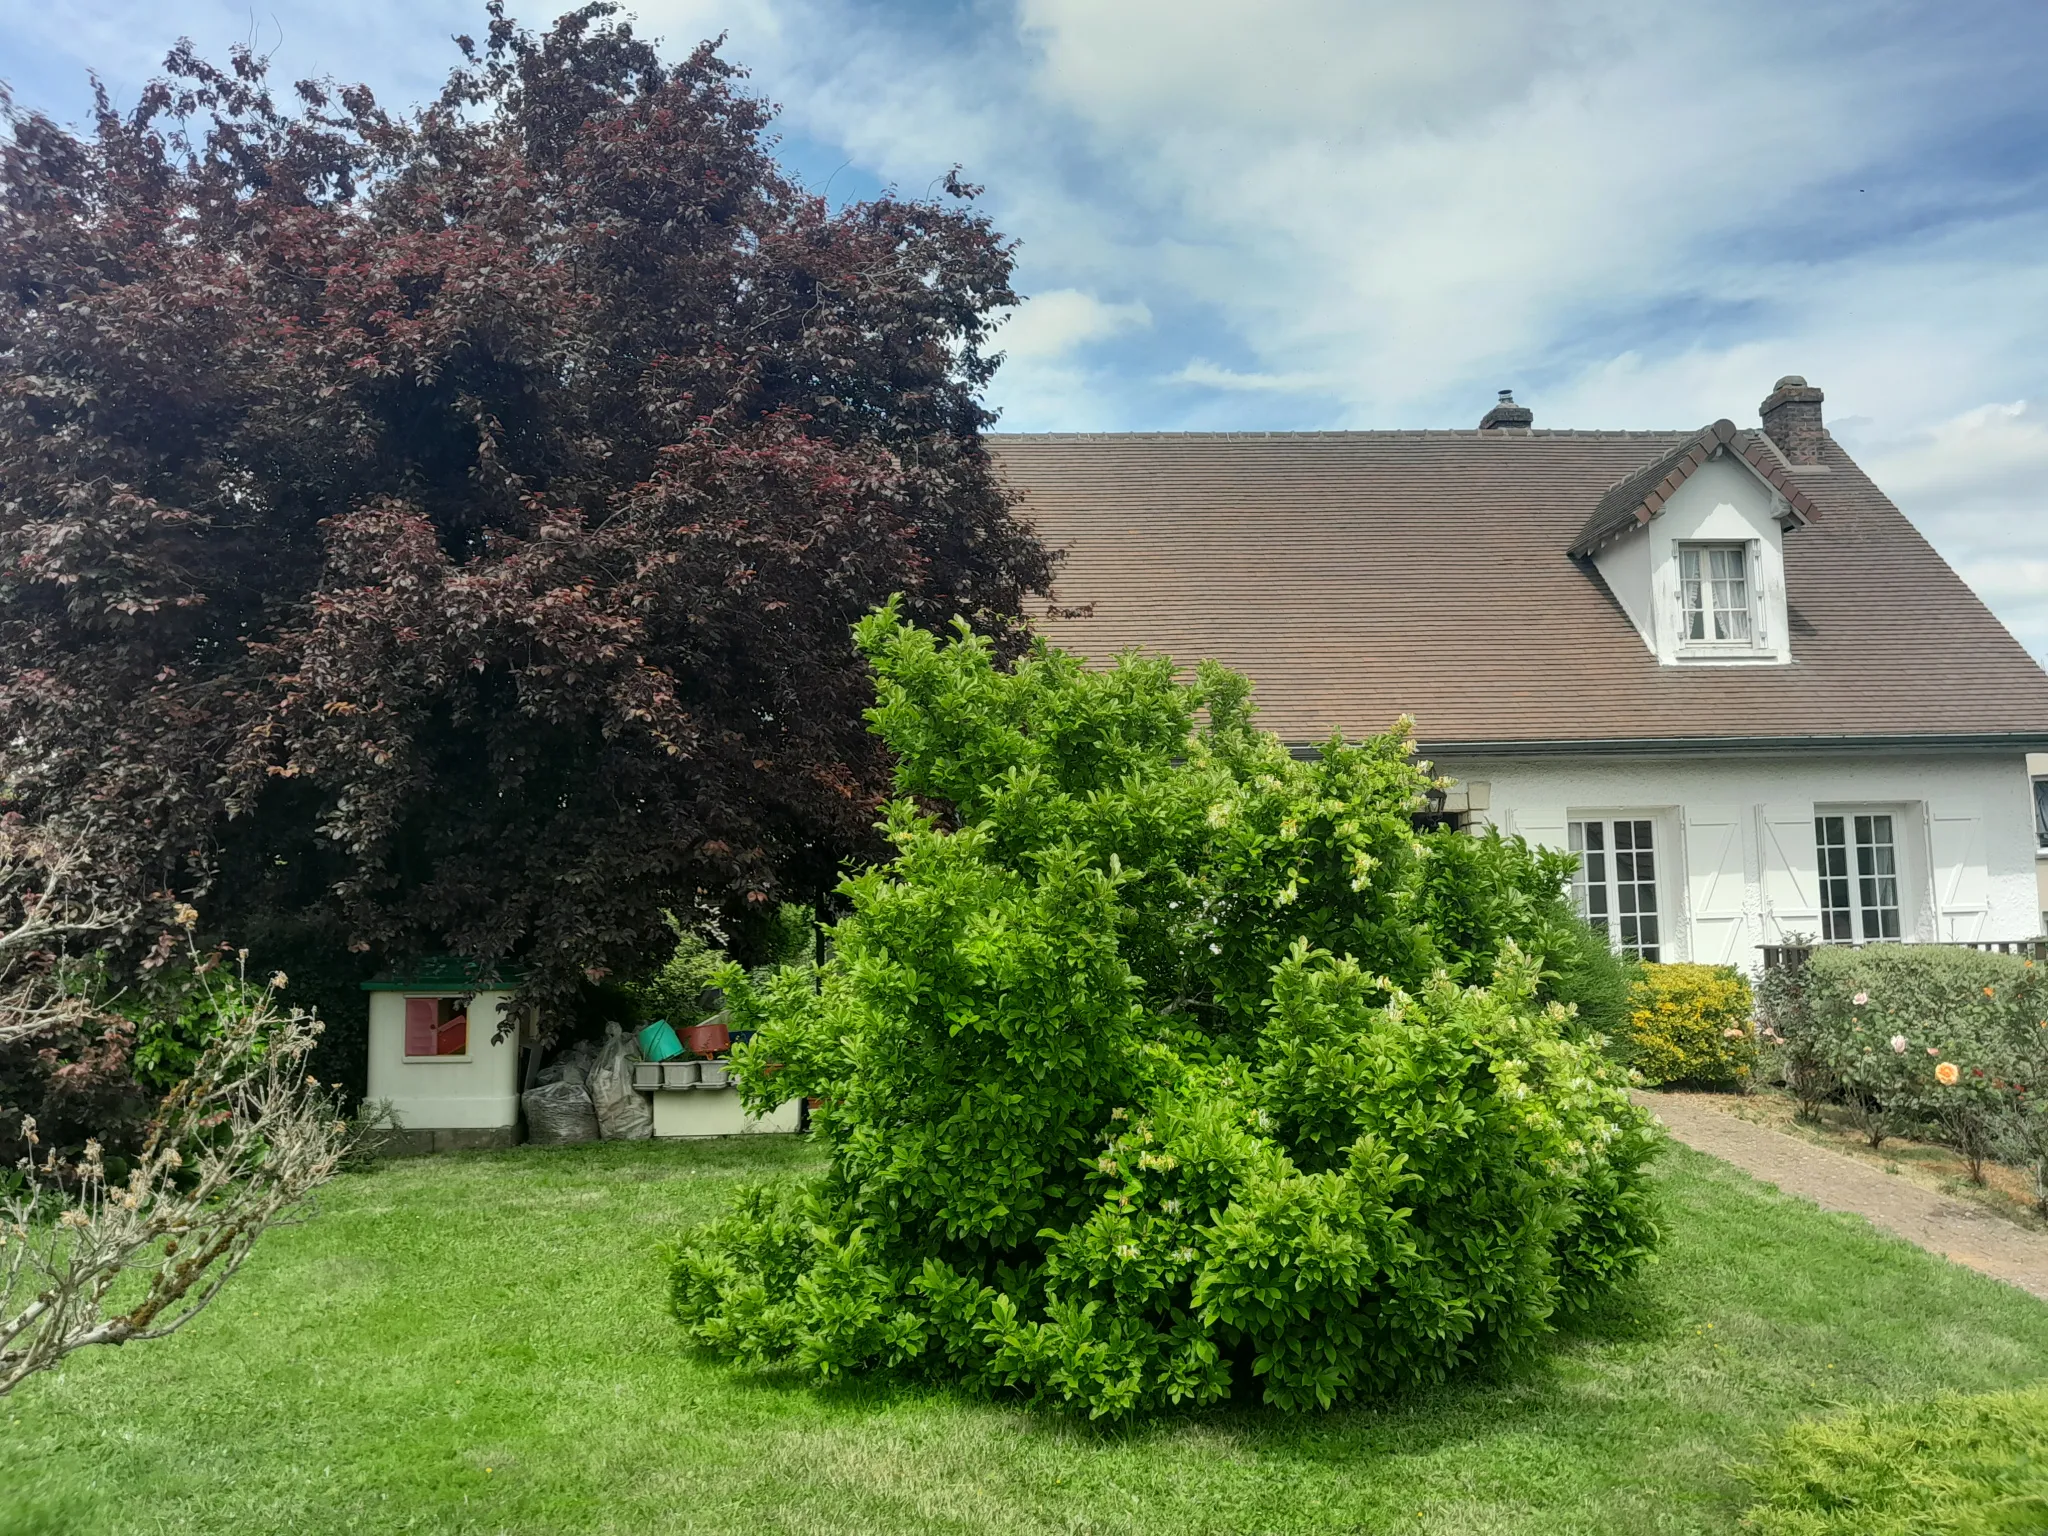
point(1962, 1233)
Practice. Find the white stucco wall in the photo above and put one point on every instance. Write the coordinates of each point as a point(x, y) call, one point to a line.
point(474, 1091)
point(1724, 502)
point(2037, 768)
point(1737, 866)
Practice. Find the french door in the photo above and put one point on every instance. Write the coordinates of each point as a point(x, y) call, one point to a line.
point(1616, 883)
point(1859, 877)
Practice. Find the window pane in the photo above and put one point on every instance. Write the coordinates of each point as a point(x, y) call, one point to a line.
point(1832, 854)
point(1877, 877)
point(1692, 594)
point(2041, 812)
point(1714, 592)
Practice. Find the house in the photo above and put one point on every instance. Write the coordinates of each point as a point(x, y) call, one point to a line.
point(441, 1058)
point(1717, 664)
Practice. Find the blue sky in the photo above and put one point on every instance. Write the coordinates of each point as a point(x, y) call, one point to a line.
point(1344, 213)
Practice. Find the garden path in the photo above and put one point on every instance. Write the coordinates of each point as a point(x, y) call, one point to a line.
point(1961, 1233)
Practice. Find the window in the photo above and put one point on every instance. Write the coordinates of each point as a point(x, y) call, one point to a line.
point(1714, 589)
point(1865, 904)
point(2041, 813)
point(436, 1026)
point(1616, 883)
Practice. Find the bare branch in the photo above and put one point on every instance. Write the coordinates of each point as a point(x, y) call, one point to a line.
point(234, 1150)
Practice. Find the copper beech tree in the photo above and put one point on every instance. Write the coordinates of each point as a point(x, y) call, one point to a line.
point(441, 530)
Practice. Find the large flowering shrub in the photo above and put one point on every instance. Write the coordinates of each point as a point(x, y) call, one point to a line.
point(1145, 1073)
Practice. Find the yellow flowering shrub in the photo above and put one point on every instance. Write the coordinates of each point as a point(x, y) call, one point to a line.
point(1691, 1024)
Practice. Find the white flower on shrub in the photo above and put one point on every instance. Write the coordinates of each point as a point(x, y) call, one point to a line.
point(1860, 999)
point(1899, 1044)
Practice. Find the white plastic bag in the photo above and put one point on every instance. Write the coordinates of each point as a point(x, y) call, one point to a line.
point(622, 1114)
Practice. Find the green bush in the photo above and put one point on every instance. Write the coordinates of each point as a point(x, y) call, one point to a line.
point(1968, 1466)
point(1476, 892)
point(677, 990)
point(1146, 1079)
point(1691, 1024)
point(1788, 1050)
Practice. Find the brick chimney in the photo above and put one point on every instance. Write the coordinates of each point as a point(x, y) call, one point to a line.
point(1792, 419)
point(1506, 414)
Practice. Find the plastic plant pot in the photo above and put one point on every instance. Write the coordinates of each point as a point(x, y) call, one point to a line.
point(679, 1074)
point(712, 1074)
point(646, 1075)
point(658, 1042)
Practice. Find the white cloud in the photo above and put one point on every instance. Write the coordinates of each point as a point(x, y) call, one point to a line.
point(1207, 375)
point(1055, 324)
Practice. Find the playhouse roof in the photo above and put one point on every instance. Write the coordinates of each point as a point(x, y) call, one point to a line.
point(444, 973)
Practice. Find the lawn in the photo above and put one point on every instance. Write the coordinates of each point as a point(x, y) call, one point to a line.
point(477, 1344)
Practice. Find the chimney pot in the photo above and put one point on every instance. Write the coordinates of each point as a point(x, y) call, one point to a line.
point(1507, 414)
point(1792, 420)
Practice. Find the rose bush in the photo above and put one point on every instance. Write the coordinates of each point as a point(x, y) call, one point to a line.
point(1150, 1075)
point(1949, 1041)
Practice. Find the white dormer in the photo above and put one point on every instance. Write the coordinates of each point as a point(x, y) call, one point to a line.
point(1693, 549)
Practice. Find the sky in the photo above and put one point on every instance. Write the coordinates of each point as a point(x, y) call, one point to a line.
point(1308, 214)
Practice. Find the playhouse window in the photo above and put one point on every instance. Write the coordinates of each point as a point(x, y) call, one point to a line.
point(436, 1026)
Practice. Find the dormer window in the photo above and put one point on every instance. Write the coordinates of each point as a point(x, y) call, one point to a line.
point(1692, 548)
point(1714, 589)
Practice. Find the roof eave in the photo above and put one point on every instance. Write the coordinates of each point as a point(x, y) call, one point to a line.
point(1659, 746)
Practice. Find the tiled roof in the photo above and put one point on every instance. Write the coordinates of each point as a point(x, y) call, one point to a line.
point(1356, 576)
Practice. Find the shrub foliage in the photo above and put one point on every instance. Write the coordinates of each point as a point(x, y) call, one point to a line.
point(1692, 1024)
point(1951, 1464)
point(1154, 1068)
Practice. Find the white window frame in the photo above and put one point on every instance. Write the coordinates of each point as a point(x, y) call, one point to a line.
point(459, 1058)
point(1703, 551)
point(1600, 892)
point(1850, 859)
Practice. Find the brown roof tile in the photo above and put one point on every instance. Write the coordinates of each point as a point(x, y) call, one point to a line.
point(1356, 576)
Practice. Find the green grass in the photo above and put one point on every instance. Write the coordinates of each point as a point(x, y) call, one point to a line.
point(477, 1344)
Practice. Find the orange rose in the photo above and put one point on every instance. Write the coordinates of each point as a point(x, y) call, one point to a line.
point(1947, 1073)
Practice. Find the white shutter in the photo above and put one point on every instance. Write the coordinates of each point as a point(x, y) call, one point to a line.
point(1962, 880)
point(1541, 825)
point(1791, 872)
point(1715, 884)
point(1759, 607)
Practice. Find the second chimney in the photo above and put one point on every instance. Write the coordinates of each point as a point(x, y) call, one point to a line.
point(1792, 419)
point(1507, 414)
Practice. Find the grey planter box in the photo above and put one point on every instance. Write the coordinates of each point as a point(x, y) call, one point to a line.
point(646, 1075)
point(679, 1074)
point(712, 1074)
